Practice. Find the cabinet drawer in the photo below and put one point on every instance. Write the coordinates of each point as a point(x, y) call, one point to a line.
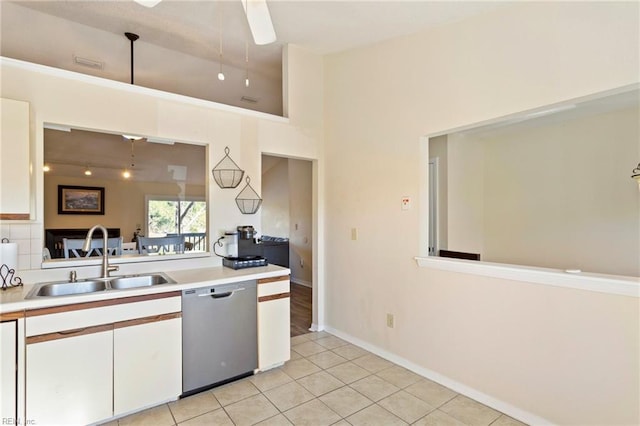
point(268, 288)
point(91, 315)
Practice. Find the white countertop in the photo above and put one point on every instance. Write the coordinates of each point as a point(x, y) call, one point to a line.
point(13, 299)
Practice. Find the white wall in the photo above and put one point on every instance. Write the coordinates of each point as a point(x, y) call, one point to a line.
point(540, 352)
point(276, 199)
point(466, 191)
point(438, 149)
point(301, 223)
point(560, 197)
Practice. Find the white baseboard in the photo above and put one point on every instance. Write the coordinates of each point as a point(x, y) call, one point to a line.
point(504, 407)
point(301, 282)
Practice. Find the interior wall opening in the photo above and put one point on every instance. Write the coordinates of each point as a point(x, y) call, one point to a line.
point(547, 189)
point(287, 192)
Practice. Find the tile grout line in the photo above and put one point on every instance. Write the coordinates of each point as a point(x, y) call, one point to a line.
point(323, 382)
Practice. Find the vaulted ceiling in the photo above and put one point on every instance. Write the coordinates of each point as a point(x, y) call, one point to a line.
point(179, 46)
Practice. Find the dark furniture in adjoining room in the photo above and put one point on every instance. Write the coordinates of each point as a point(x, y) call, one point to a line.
point(174, 244)
point(274, 249)
point(459, 255)
point(53, 238)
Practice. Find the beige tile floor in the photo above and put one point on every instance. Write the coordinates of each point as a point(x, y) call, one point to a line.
point(327, 382)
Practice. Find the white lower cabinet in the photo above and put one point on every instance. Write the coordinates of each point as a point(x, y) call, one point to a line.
point(87, 364)
point(69, 380)
point(274, 330)
point(147, 363)
point(8, 364)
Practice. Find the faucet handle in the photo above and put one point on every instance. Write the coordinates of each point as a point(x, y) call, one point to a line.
point(73, 276)
point(112, 268)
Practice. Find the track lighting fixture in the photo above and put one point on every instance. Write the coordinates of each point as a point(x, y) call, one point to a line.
point(220, 74)
point(127, 173)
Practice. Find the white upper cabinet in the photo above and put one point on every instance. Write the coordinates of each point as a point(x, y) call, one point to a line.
point(15, 188)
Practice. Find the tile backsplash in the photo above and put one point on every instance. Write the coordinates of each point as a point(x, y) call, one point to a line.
point(30, 239)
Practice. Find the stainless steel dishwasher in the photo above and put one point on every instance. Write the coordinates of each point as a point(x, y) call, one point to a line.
point(219, 335)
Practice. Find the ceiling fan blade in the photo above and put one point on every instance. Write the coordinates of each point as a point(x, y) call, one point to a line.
point(148, 3)
point(259, 21)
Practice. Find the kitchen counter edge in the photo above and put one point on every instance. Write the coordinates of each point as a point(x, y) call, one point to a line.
point(13, 299)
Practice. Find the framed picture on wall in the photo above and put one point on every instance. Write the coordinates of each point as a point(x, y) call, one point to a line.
point(80, 200)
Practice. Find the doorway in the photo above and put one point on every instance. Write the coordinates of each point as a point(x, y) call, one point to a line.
point(287, 191)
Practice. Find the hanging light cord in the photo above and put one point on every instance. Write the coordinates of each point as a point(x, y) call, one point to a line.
point(220, 73)
point(132, 154)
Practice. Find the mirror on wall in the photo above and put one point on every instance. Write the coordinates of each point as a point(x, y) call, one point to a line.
point(551, 189)
point(134, 186)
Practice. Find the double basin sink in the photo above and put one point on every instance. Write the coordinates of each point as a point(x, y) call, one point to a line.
point(95, 285)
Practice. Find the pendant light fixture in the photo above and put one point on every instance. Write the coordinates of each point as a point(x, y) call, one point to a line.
point(248, 200)
point(132, 38)
point(127, 173)
point(226, 173)
point(246, 63)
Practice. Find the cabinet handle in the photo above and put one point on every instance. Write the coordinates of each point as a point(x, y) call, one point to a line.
point(221, 295)
point(77, 330)
point(63, 334)
point(273, 297)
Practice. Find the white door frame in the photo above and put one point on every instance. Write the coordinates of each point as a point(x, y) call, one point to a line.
point(433, 242)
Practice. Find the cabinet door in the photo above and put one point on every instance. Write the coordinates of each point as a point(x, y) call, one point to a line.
point(8, 363)
point(69, 380)
point(15, 188)
point(273, 332)
point(147, 364)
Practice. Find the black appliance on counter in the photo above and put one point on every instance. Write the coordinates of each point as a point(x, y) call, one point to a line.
point(274, 250)
point(242, 262)
point(237, 260)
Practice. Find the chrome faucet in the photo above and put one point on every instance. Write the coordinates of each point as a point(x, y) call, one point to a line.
point(105, 251)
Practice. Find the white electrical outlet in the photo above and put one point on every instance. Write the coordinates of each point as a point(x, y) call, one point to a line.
point(406, 203)
point(390, 320)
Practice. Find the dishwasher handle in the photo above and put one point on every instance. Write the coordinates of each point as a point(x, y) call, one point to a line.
point(221, 295)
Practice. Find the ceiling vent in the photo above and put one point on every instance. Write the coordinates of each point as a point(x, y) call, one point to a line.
point(88, 62)
point(249, 100)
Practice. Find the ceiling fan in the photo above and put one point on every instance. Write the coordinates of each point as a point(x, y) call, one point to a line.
point(258, 17)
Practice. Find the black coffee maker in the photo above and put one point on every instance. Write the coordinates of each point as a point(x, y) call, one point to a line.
point(249, 252)
point(246, 232)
